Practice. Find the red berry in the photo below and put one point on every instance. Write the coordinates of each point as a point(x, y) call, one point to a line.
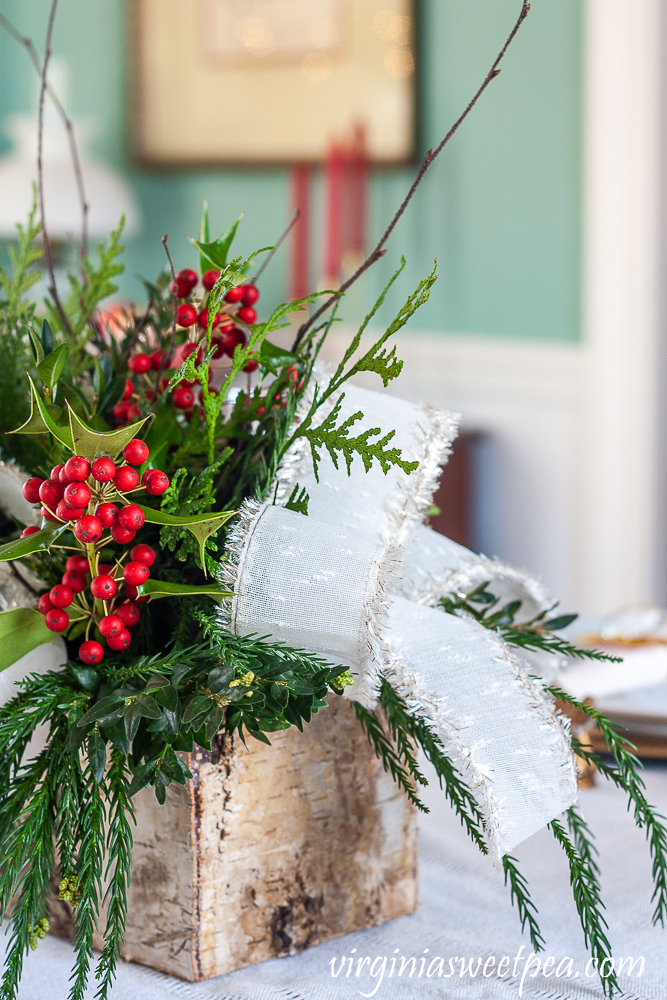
point(90, 652)
point(131, 517)
point(247, 315)
point(61, 595)
point(157, 359)
point(128, 612)
point(103, 470)
point(143, 553)
point(77, 564)
point(133, 594)
point(106, 513)
point(251, 366)
point(88, 528)
point(77, 495)
point(187, 277)
point(156, 482)
point(122, 535)
point(75, 581)
point(202, 319)
point(56, 620)
point(139, 364)
point(104, 570)
point(31, 490)
point(186, 315)
point(45, 604)
point(250, 295)
point(136, 452)
point(189, 349)
point(120, 641)
point(120, 411)
point(132, 413)
point(232, 338)
point(234, 294)
point(103, 588)
point(181, 289)
point(129, 388)
point(126, 478)
point(111, 625)
point(67, 513)
point(46, 513)
point(31, 530)
point(136, 573)
point(50, 492)
point(77, 468)
point(55, 472)
point(182, 397)
point(209, 278)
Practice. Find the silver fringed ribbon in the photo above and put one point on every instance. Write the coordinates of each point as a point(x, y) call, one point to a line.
point(353, 582)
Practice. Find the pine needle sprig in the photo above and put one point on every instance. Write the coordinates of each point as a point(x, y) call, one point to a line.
point(387, 754)
point(587, 898)
point(520, 898)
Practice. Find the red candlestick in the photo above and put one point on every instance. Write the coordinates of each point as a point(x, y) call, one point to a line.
point(299, 277)
point(333, 179)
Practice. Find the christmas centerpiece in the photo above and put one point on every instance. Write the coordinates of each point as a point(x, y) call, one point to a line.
point(231, 542)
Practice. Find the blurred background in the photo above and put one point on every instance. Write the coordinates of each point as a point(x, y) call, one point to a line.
point(546, 326)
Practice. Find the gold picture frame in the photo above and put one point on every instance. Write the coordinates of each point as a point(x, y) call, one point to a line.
point(265, 82)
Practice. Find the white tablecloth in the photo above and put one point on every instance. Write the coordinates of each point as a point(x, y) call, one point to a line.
point(465, 913)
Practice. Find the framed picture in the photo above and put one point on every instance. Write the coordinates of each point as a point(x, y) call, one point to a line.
point(271, 81)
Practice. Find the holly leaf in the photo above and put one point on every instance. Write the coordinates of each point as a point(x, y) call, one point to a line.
point(37, 542)
point(202, 526)
point(41, 420)
point(160, 588)
point(21, 631)
point(216, 252)
point(92, 444)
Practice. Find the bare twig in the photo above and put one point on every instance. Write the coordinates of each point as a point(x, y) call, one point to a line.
point(267, 260)
point(431, 155)
point(48, 256)
point(165, 241)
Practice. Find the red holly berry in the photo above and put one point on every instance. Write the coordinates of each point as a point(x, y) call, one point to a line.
point(251, 366)
point(104, 570)
point(129, 389)
point(209, 278)
point(88, 529)
point(31, 489)
point(61, 596)
point(77, 495)
point(250, 295)
point(136, 573)
point(103, 588)
point(132, 413)
point(120, 641)
point(103, 470)
point(139, 364)
point(90, 652)
point(75, 581)
point(46, 513)
point(55, 472)
point(232, 338)
point(30, 530)
point(128, 612)
point(157, 358)
point(131, 517)
point(247, 315)
point(187, 276)
point(156, 482)
point(120, 411)
point(111, 625)
point(67, 513)
point(181, 289)
point(183, 398)
point(189, 349)
point(133, 594)
point(56, 620)
point(50, 492)
point(234, 294)
point(143, 553)
point(186, 314)
point(136, 452)
point(126, 478)
point(77, 564)
point(122, 535)
point(77, 468)
point(107, 514)
point(45, 604)
point(218, 342)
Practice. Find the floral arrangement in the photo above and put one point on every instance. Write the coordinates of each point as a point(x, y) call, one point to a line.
point(143, 432)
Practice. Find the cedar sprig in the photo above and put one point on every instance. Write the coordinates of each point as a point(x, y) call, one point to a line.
point(388, 754)
point(520, 898)
point(90, 868)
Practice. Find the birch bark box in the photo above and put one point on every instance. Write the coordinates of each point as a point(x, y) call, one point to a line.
point(268, 851)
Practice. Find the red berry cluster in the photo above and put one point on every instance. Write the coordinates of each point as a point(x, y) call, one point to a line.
point(81, 492)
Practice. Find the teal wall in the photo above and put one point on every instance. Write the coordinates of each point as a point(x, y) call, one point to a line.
point(500, 210)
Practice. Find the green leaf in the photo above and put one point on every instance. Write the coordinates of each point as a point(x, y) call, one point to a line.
point(197, 705)
point(141, 778)
point(97, 756)
point(92, 444)
point(298, 501)
point(274, 357)
point(51, 368)
point(87, 677)
point(555, 624)
point(47, 337)
point(148, 707)
point(160, 588)
point(37, 542)
point(103, 373)
point(168, 698)
point(36, 345)
point(216, 252)
point(112, 394)
point(156, 682)
point(131, 721)
point(41, 421)
point(21, 630)
point(202, 526)
point(220, 678)
point(101, 708)
point(204, 237)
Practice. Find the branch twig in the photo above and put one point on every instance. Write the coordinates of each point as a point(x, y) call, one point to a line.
point(165, 241)
point(267, 260)
point(431, 155)
point(48, 256)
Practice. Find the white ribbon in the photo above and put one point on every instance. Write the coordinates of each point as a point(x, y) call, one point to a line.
point(333, 583)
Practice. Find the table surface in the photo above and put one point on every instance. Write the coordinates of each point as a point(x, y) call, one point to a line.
point(465, 913)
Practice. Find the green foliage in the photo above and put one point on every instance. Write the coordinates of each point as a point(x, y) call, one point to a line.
point(521, 899)
point(298, 501)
